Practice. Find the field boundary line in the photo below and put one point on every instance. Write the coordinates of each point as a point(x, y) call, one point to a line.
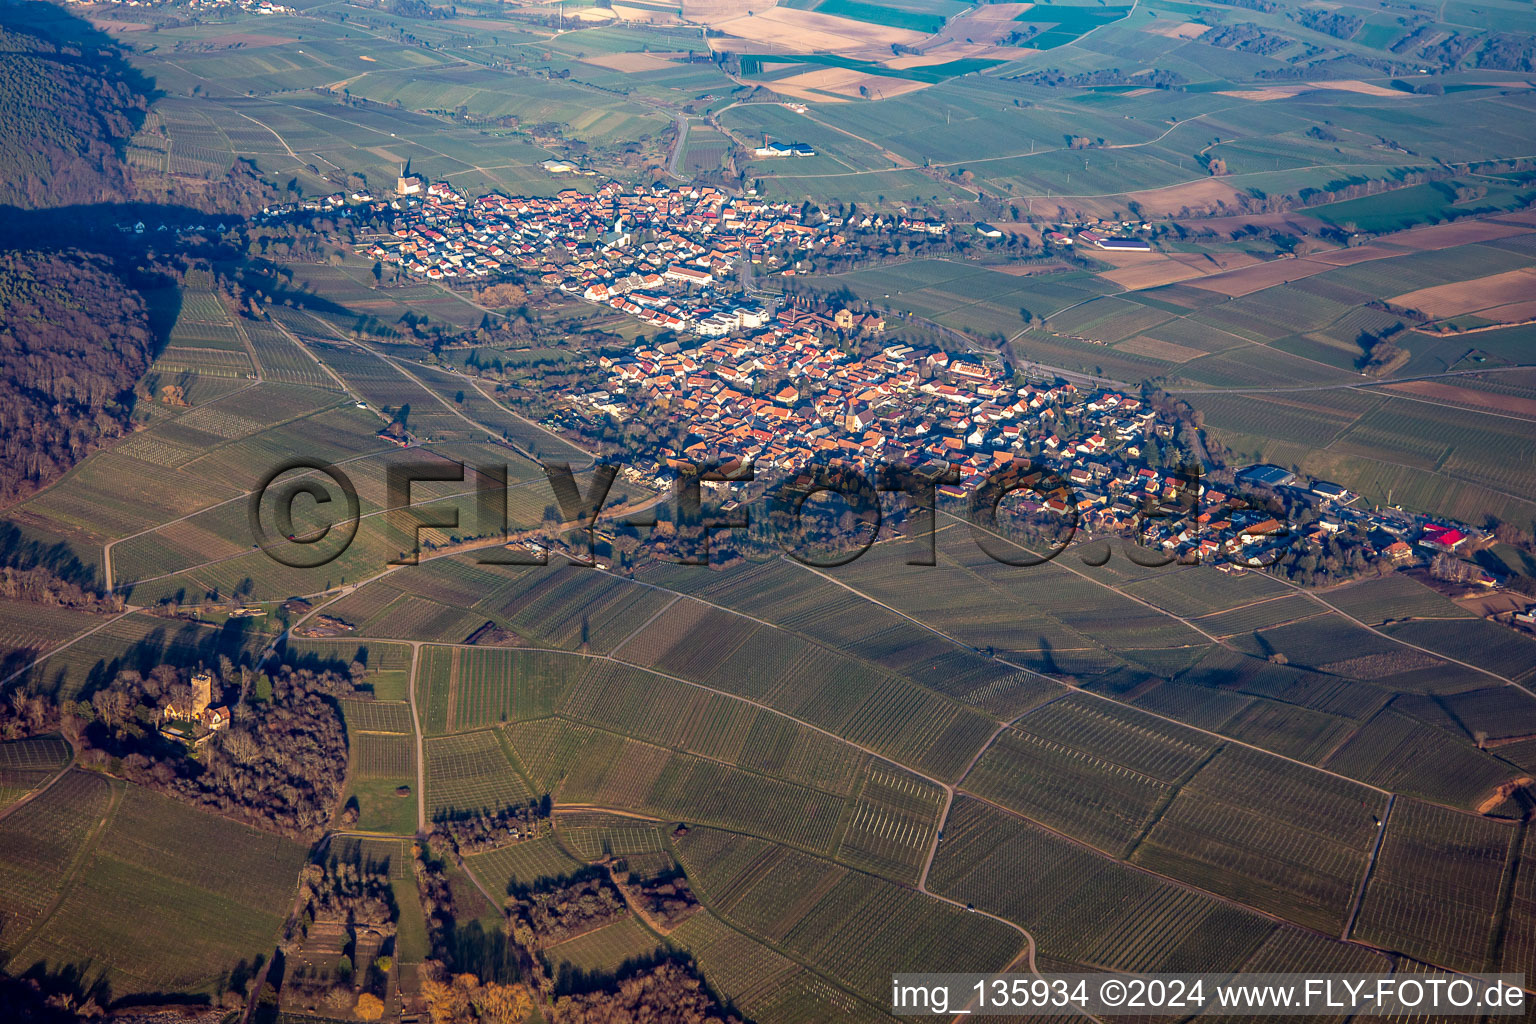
point(676, 679)
point(851, 811)
point(644, 625)
point(1361, 386)
point(346, 388)
point(1027, 952)
point(85, 853)
point(1514, 863)
point(1175, 789)
point(242, 496)
point(1406, 643)
point(428, 447)
point(1180, 883)
point(708, 758)
point(808, 639)
point(128, 610)
point(451, 714)
point(28, 797)
point(1370, 868)
point(1403, 397)
point(641, 914)
point(394, 363)
point(250, 350)
point(509, 751)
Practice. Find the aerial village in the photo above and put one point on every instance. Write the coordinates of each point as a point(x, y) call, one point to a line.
point(920, 408)
point(931, 410)
point(678, 258)
point(655, 253)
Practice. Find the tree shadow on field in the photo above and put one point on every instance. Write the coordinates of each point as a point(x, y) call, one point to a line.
point(19, 551)
point(324, 661)
point(488, 955)
point(184, 645)
point(571, 980)
point(70, 986)
point(281, 290)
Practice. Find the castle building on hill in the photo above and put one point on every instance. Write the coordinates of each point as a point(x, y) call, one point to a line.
point(192, 709)
point(194, 720)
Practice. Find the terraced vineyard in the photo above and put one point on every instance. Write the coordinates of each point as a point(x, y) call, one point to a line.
point(1451, 861)
point(469, 774)
point(1098, 765)
point(122, 873)
point(1263, 832)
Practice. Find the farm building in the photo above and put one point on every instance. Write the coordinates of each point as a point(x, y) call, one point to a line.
point(1266, 476)
point(1443, 538)
point(1123, 244)
point(770, 149)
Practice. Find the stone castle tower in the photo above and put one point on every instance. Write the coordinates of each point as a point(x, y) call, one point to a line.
point(202, 692)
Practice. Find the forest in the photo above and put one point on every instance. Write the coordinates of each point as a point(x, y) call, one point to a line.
point(41, 586)
point(73, 342)
point(279, 766)
point(69, 105)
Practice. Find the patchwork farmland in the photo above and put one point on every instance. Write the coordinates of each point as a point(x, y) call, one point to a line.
point(1290, 244)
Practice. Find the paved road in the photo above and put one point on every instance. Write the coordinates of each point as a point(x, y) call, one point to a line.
point(421, 760)
point(675, 163)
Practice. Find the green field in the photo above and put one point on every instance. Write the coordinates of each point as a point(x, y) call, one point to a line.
point(521, 864)
point(894, 17)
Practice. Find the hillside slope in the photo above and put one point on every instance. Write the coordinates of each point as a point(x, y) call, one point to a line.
point(67, 104)
point(73, 340)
